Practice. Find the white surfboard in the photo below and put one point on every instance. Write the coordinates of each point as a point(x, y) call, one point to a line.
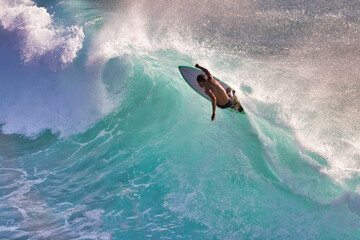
point(190, 74)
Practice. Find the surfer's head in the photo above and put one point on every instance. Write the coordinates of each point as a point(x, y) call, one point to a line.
point(201, 79)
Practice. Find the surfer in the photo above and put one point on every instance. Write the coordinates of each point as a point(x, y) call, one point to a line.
point(218, 95)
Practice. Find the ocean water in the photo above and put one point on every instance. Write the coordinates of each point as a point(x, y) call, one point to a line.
point(101, 138)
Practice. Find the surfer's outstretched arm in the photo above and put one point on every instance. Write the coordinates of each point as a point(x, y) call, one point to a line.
point(213, 101)
point(204, 70)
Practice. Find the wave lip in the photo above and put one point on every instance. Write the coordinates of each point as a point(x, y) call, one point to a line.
point(38, 36)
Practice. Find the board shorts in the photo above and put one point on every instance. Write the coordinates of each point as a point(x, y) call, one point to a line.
point(227, 105)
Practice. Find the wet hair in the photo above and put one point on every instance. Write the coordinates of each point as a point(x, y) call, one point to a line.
point(201, 78)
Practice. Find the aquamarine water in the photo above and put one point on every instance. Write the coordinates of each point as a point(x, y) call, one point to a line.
point(101, 138)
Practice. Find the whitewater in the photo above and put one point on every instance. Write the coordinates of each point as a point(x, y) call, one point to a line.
point(101, 138)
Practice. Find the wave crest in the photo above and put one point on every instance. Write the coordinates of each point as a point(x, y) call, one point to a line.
point(38, 36)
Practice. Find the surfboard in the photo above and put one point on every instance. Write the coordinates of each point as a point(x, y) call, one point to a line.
point(190, 74)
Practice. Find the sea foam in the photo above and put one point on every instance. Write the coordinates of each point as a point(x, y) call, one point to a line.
point(37, 34)
point(40, 86)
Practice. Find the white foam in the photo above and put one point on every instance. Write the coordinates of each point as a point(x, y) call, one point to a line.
point(38, 36)
point(136, 32)
point(47, 92)
point(120, 35)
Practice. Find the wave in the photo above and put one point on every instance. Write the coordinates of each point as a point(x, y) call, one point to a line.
point(45, 84)
point(37, 36)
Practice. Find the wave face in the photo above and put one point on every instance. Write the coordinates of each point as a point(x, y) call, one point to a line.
point(101, 138)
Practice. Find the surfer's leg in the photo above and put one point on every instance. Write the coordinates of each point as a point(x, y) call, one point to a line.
point(235, 102)
point(230, 92)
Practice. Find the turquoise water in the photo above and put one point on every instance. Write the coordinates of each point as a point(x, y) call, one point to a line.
point(101, 138)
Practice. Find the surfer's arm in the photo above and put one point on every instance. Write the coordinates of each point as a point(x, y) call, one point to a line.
point(204, 70)
point(213, 101)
